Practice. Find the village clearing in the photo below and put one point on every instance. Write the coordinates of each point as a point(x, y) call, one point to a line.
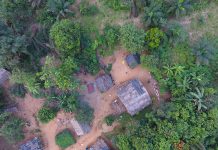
point(100, 102)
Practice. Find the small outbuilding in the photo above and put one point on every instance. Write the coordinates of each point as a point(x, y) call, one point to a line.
point(4, 75)
point(134, 96)
point(100, 144)
point(34, 144)
point(90, 88)
point(133, 60)
point(80, 129)
point(104, 82)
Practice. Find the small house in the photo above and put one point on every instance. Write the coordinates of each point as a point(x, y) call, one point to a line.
point(4, 75)
point(34, 144)
point(104, 82)
point(133, 60)
point(80, 129)
point(100, 144)
point(134, 96)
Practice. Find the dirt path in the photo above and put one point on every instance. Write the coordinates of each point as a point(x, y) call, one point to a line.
point(101, 104)
point(27, 109)
point(51, 129)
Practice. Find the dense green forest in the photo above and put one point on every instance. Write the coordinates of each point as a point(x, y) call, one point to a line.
point(44, 44)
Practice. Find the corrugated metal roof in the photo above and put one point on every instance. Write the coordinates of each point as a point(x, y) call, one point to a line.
point(104, 82)
point(134, 96)
point(99, 145)
point(34, 144)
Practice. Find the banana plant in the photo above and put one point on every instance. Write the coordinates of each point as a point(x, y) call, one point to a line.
point(179, 7)
point(198, 98)
point(59, 7)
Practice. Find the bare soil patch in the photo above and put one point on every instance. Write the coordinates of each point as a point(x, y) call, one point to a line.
point(27, 109)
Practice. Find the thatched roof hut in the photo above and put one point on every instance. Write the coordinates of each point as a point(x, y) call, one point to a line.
point(133, 60)
point(4, 75)
point(80, 129)
point(34, 144)
point(134, 96)
point(100, 144)
point(104, 82)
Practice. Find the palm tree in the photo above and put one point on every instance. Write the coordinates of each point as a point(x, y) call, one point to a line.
point(204, 50)
point(198, 98)
point(59, 7)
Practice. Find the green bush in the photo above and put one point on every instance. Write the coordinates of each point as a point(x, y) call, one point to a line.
point(88, 10)
point(111, 34)
point(132, 38)
point(110, 119)
point(67, 102)
point(66, 36)
point(46, 114)
point(154, 14)
point(18, 90)
point(154, 37)
point(84, 112)
point(11, 128)
point(64, 139)
point(117, 4)
point(176, 33)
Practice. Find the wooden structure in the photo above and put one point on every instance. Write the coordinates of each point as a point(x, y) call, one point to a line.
point(80, 129)
point(118, 107)
point(134, 96)
point(34, 144)
point(4, 75)
point(104, 82)
point(100, 144)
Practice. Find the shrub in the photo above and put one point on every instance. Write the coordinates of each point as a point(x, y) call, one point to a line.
point(179, 7)
point(84, 112)
point(118, 4)
point(110, 120)
point(64, 139)
point(88, 10)
point(176, 33)
point(66, 36)
point(18, 90)
point(67, 102)
point(46, 114)
point(154, 14)
point(111, 34)
point(132, 38)
point(11, 128)
point(205, 50)
point(154, 37)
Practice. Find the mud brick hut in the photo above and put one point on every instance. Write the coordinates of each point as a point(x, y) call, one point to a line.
point(80, 129)
point(100, 144)
point(34, 144)
point(133, 60)
point(134, 96)
point(104, 82)
point(4, 75)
